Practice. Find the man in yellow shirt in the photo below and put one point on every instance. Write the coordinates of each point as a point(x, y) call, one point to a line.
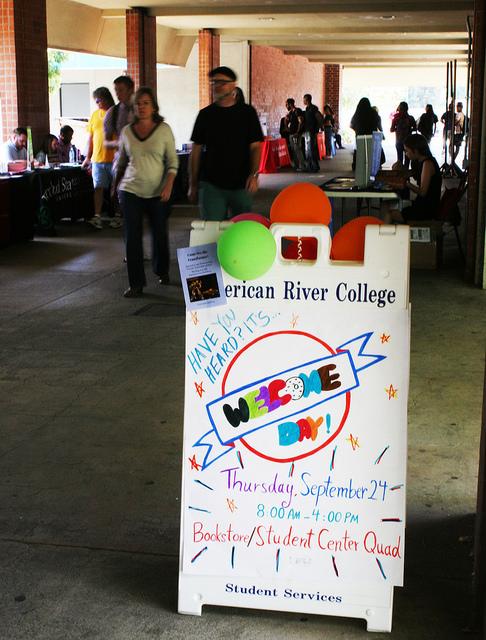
point(99, 156)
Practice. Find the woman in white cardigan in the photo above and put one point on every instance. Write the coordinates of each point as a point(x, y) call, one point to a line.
point(146, 169)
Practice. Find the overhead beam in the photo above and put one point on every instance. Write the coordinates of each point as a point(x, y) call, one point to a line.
point(359, 61)
point(391, 55)
point(379, 65)
point(384, 63)
point(383, 44)
point(417, 32)
point(314, 8)
point(368, 53)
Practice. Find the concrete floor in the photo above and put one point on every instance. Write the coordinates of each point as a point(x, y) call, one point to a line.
point(91, 410)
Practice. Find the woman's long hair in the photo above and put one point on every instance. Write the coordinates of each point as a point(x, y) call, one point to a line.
point(365, 119)
point(147, 91)
point(46, 144)
point(417, 142)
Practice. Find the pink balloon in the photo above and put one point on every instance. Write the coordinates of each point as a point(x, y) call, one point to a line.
point(254, 217)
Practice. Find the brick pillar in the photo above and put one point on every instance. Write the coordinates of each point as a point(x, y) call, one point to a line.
point(141, 48)
point(474, 220)
point(208, 59)
point(24, 90)
point(332, 87)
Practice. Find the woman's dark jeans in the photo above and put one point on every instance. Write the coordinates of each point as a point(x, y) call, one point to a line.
point(401, 155)
point(157, 212)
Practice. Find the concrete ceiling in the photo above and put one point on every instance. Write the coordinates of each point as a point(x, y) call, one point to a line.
point(354, 33)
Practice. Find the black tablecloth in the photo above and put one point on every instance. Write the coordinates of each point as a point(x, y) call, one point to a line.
point(63, 193)
point(37, 200)
point(18, 207)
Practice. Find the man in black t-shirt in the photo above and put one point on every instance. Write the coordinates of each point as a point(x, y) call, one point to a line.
point(310, 134)
point(294, 125)
point(226, 151)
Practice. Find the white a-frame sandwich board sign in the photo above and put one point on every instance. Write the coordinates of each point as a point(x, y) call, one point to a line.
point(294, 461)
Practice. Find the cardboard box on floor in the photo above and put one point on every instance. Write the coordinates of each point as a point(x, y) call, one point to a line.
point(425, 238)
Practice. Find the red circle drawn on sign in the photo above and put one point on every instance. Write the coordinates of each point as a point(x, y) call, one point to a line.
point(343, 419)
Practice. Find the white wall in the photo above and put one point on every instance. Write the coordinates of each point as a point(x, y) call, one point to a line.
point(236, 56)
point(178, 87)
point(177, 91)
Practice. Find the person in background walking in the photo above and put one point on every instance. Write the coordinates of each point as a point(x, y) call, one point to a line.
point(115, 120)
point(427, 123)
point(224, 178)
point(337, 136)
point(380, 125)
point(146, 170)
point(293, 126)
point(329, 130)
point(98, 155)
point(459, 127)
point(311, 130)
point(448, 119)
point(402, 125)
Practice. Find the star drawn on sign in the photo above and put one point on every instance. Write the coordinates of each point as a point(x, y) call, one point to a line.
point(384, 338)
point(391, 391)
point(354, 441)
point(194, 317)
point(200, 389)
point(194, 463)
point(293, 322)
point(231, 505)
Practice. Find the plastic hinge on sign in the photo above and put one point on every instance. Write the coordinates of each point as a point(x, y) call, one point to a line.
point(387, 229)
point(207, 231)
point(318, 231)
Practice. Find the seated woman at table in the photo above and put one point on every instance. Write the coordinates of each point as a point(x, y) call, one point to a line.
point(48, 153)
point(428, 187)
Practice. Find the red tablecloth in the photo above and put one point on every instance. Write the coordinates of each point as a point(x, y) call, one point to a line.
point(274, 155)
point(321, 145)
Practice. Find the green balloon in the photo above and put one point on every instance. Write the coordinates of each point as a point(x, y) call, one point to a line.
point(246, 250)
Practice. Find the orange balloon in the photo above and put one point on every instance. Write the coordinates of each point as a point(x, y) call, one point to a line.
point(301, 202)
point(349, 241)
